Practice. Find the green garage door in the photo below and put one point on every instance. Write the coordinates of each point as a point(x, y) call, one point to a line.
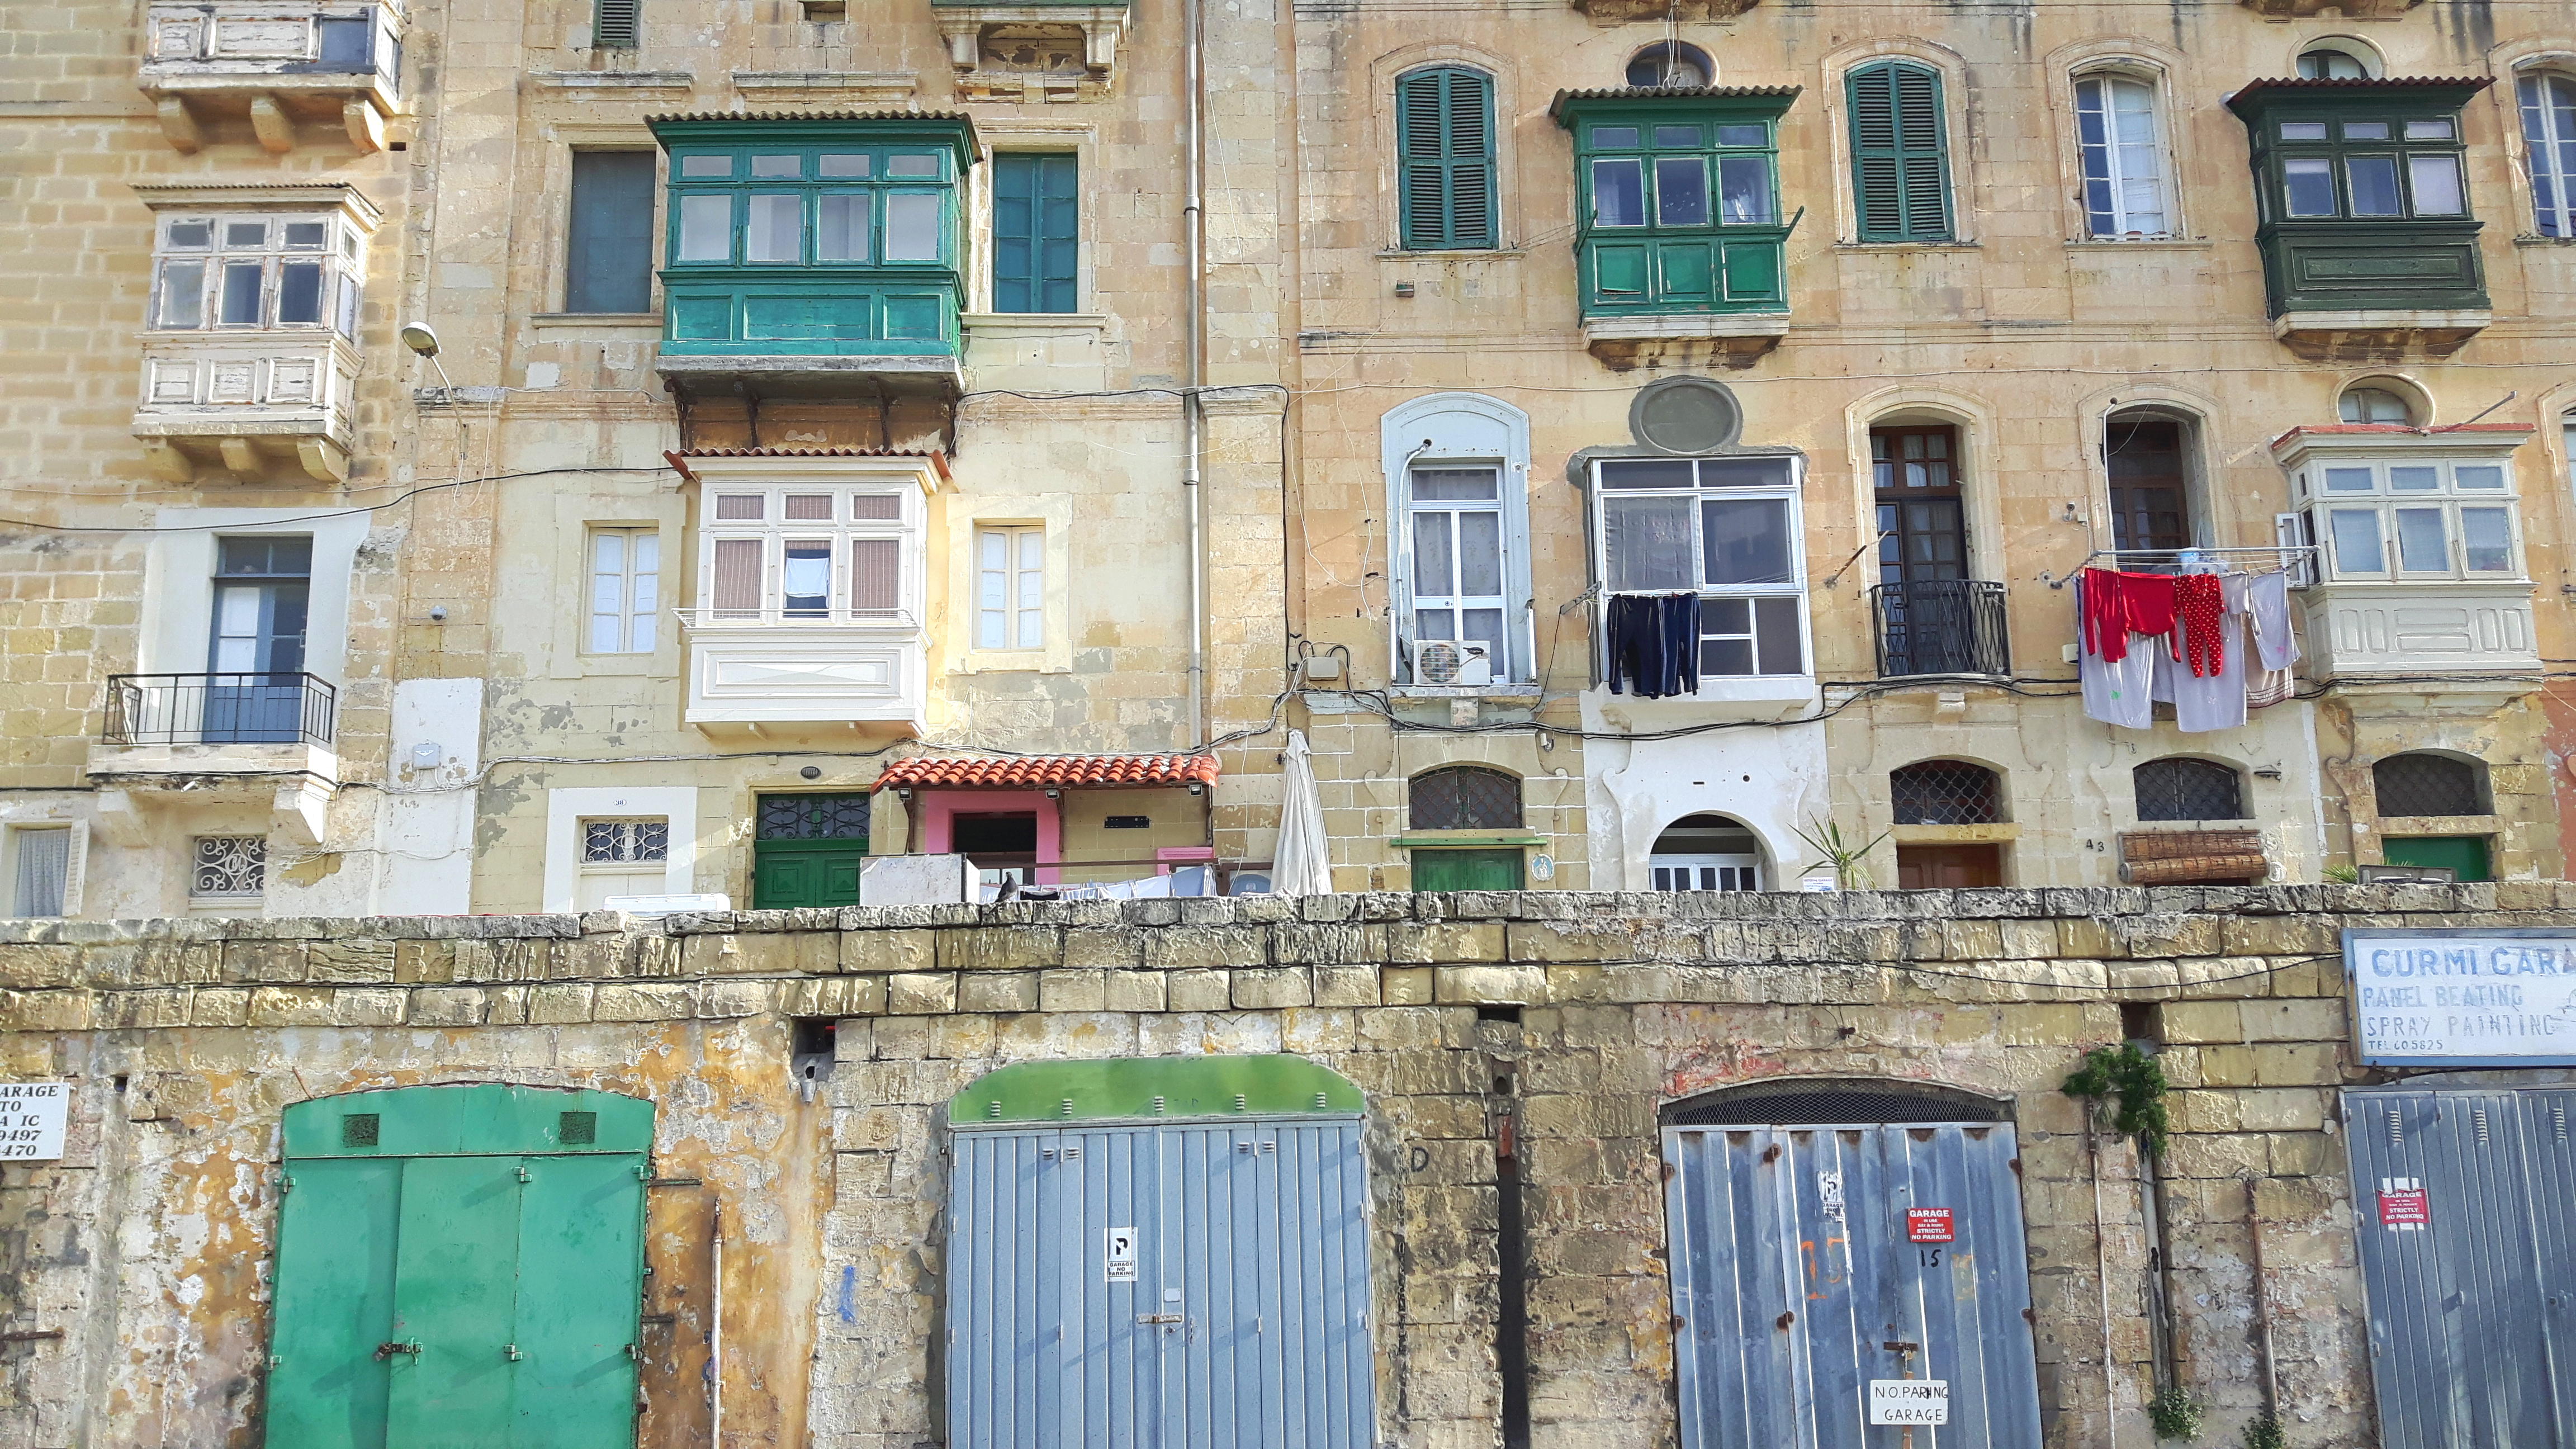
point(806, 850)
point(459, 1268)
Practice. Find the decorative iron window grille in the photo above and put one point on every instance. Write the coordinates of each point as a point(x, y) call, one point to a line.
point(229, 866)
point(625, 842)
point(1946, 792)
point(813, 817)
point(2180, 789)
point(1464, 797)
point(2429, 785)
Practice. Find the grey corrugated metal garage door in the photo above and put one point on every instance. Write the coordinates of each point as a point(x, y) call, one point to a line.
point(1245, 1324)
point(1797, 1281)
point(2467, 1209)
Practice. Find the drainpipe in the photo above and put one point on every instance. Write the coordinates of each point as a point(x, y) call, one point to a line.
point(2262, 1302)
point(1194, 334)
point(715, 1331)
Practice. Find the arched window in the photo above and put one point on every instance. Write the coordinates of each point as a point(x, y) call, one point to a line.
point(2374, 405)
point(1946, 792)
point(2148, 455)
point(2549, 151)
point(1464, 797)
point(2332, 62)
point(1706, 853)
point(1444, 120)
point(1670, 63)
point(2122, 142)
point(2429, 785)
point(1900, 152)
point(2179, 789)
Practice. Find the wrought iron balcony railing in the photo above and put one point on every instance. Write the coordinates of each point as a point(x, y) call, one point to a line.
point(219, 709)
point(1940, 626)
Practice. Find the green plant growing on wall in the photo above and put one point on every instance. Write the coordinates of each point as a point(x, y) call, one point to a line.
point(2175, 1414)
point(2343, 874)
point(1851, 869)
point(2263, 1431)
point(2126, 1090)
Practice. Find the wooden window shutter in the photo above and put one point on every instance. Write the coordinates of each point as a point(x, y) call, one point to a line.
point(1900, 158)
point(1036, 248)
point(737, 577)
point(876, 576)
point(1445, 161)
point(614, 24)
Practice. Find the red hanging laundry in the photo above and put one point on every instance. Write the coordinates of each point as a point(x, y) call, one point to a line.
point(2202, 604)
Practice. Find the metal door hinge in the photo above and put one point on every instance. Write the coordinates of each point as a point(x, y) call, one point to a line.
point(511, 1352)
point(631, 1353)
point(390, 1348)
point(523, 1175)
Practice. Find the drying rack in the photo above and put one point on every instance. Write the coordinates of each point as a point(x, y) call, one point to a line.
point(2284, 554)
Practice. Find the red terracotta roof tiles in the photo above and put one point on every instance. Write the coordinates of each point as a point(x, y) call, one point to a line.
point(1079, 771)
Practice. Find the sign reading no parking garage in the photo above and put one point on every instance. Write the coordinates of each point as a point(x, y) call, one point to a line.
point(2462, 998)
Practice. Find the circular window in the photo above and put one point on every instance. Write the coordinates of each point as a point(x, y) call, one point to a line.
point(1671, 63)
point(1684, 415)
point(2374, 405)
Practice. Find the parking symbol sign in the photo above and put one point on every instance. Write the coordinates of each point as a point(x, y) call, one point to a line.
point(1118, 1255)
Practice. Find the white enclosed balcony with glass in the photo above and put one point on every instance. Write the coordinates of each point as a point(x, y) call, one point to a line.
point(2418, 551)
point(809, 608)
point(332, 68)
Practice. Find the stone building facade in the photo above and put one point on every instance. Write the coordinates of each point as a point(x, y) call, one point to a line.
point(1522, 1063)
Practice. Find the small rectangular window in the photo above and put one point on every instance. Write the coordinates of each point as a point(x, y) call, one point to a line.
point(2308, 186)
point(1744, 190)
point(739, 507)
point(841, 167)
point(841, 227)
point(1614, 138)
point(2479, 475)
point(1010, 593)
point(609, 249)
point(345, 42)
point(2435, 181)
point(1618, 193)
point(705, 168)
point(913, 166)
point(1683, 137)
point(912, 226)
point(183, 295)
point(2413, 479)
point(2355, 533)
point(2372, 181)
point(238, 304)
point(2365, 130)
point(2430, 130)
point(706, 228)
point(2486, 540)
point(625, 589)
point(615, 24)
point(1681, 191)
point(228, 867)
point(1752, 133)
point(299, 293)
point(805, 578)
point(2422, 547)
point(777, 168)
point(626, 842)
point(775, 230)
point(1648, 544)
point(2348, 480)
point(734, 591)
point(2303, 130)
point(1745, 541)
point(41, 871)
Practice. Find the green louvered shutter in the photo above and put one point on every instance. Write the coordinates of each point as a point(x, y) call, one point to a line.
point(1900, 159)
point(1035, 207)
point(1445, 141)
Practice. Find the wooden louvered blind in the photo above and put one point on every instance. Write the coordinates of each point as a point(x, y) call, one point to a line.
point(1445, 161)
point(737, 578)
point(876, 577)
point(1900, 158)
point(613, 24)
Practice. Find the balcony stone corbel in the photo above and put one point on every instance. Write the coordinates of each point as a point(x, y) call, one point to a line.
point(270, 122)
point(365, 124)
point(302, 811)
point(167, 463)
point(323, 459)
point(120, 819)
point(239, 455)
point(963, 34)
point(179, 125)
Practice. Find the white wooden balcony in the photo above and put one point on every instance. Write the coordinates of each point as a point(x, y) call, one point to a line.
point(750, 669)
point(247, 401)
point(2413, 628)
point(280, 65)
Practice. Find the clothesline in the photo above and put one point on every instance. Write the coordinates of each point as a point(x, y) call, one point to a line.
point(2282, 554)
point(2183, 639)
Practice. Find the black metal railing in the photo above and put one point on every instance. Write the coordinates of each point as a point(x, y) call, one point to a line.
point(1940, 626)
point(219, 709)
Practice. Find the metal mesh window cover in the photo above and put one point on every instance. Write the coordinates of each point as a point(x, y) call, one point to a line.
point(1830, 1102)
point(2181, 789)
point(577, 1129)
point(2429, 785)
point(1946, 792)
point(813, 817)
point(1464, 797)
point(229, 865)
point(359, 1129)
point(625, 842)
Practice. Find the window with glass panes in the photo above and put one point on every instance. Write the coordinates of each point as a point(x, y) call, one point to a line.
point(2361, 187)
point(1010, 588)
point(1724, 528)
point(1679, 200)
point(807, 554)
point(1457, 557)
point(2408, 518)
point(265, 271)
point(2383, 165)
point(625, 589)
point(796, 206)
point(2548, 102)
point(2122, 144)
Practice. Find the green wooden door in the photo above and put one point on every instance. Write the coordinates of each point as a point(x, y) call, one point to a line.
point(1466, 870)
point(459, 1268)
point(2465, 854)
point(806, 850)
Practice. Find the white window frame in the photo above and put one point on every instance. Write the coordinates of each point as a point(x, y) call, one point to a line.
point(2546, 156)
point(1704, 872)
point(1022, 588)
point(2105, 80)
point(1509, 562)
point(342, 257)
point(774, 531)
point(638, 590)
point(2321, 496)
point(1796, 588)
point(75, 851)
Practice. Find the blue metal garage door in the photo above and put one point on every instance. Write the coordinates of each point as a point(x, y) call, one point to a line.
point(2467, 1208)
point(1808, 1262)
point(1154, 1287)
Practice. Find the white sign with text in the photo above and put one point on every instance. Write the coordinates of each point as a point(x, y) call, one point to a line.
point(1909, 1401)
point(2463, 998)
point(31, 1120)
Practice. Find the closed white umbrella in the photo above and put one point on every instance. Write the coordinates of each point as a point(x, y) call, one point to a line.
point(1302, 863)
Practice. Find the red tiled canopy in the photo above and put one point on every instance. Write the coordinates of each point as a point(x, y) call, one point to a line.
point(1049, 771)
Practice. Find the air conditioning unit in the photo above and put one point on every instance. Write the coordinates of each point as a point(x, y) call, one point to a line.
point(1438, 661)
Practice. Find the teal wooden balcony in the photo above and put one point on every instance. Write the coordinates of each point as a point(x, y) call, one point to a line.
point(825, 244)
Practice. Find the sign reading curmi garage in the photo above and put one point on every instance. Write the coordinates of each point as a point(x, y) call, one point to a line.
point(2463, 998)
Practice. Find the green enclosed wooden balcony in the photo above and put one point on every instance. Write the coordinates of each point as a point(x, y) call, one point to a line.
point(1680, 232)
point(813, 247)
point(2369, 243)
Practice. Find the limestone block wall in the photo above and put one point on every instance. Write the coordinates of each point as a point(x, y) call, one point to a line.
point(1571, 1017)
